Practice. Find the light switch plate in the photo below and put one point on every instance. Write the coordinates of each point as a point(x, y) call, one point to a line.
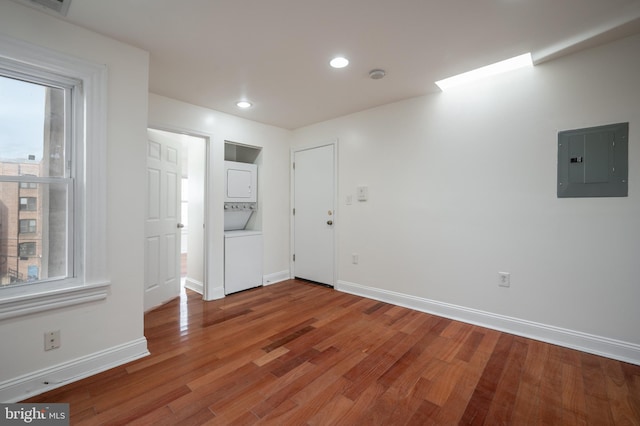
point(504, 279)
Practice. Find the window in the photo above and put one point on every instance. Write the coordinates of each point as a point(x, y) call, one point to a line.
point(52, 179)
point(36, 146)
point(27, 226)
point(27, 249)
point(27, 203)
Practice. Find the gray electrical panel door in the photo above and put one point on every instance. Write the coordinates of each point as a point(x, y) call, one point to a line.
point(593, 162)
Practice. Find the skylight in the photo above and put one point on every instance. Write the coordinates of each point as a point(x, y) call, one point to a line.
point(487, 71)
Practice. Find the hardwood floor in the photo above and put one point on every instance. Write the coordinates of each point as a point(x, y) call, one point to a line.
point(296, 353)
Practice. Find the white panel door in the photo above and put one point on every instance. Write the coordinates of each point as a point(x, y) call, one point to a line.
point(162, 227)
point(314, 215)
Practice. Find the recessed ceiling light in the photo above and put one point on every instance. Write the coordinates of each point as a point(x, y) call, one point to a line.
point(480, 73)
point(243, 104)
point(339, 62)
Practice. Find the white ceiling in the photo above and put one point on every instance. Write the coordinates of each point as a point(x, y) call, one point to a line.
point(275, 53)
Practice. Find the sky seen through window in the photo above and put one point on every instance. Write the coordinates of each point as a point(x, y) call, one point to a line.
point(22, 109)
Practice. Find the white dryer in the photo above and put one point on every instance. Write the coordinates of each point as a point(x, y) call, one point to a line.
point(241, 182)
point(241, 194)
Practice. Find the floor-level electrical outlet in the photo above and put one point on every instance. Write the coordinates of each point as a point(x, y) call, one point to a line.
point(51, 340)
point(504, 279)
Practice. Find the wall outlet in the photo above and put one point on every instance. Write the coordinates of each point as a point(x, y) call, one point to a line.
point(51, 340)
point(504, 279)
point(349, 200)
point(355, 258)
point(363, 193)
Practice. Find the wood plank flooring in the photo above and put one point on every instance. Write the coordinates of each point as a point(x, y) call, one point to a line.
point(296, 353)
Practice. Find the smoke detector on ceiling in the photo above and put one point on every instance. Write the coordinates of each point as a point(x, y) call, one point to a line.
point(376, 74)
point(59, 6)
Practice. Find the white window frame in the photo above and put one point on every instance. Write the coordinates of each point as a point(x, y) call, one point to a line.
point(90, 281)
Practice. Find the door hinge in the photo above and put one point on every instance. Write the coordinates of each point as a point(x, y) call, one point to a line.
point(294, 165)
point(294, 211)
point(294, 257)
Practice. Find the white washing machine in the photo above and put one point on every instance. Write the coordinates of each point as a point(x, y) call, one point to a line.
point(242, 260)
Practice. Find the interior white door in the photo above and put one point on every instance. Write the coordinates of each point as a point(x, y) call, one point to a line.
point(162, 228)
point(314, 214)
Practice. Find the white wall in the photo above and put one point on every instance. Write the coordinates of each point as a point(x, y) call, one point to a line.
point(93, 333)
point(273, 181)
point(463, 184)
point(195, 240)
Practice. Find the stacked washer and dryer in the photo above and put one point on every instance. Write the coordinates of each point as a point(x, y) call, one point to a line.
point(242, 246)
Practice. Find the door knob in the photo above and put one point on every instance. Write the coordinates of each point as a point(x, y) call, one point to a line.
point(329, 222)
point(180, 225)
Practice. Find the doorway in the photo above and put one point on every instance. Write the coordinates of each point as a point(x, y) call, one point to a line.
point(314, 185)
point(175, 218)
point(193, 207)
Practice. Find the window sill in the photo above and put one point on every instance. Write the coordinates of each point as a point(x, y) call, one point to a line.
point(19, 301)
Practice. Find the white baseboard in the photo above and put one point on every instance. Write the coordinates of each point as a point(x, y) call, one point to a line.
point(275, 277)
point(194, 285)
point(215, 294)
point(598, 345)
point(44, 380)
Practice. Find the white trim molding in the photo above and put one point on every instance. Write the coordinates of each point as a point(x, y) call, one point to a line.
point(20, 388)
point(215, 293)
point(14, 304)
point(194, 285)
point(89, 280)
point(276, 277)
point(598, 345)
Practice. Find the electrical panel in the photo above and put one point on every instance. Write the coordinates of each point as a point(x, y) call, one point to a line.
point(593, 162)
